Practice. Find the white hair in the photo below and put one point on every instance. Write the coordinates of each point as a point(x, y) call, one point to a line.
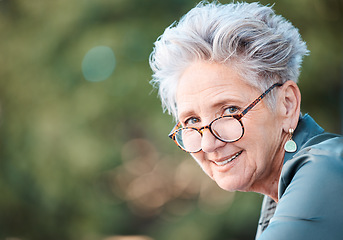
point(263, 47)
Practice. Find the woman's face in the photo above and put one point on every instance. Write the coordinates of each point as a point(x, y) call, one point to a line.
point(209, 90)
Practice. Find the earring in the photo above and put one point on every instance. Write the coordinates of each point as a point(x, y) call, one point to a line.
point(290, 145)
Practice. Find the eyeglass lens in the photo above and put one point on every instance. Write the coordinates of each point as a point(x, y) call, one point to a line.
point(227, 129)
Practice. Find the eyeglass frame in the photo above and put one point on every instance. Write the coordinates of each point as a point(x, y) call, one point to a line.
point(238, 116)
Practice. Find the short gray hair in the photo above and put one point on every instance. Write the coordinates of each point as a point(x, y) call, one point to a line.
point(264, 47)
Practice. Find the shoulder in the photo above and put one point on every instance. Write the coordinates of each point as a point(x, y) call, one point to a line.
point(321, 156)
point(310, 203)
point(311, 184)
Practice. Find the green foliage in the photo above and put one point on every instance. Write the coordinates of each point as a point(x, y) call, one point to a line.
point(89, 160)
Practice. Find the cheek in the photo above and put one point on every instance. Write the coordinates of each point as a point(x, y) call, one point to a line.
point(261, 128)
point(261, 141)
point(202, 162)
point(259, 136)
point(198, 157)
point(252, 134)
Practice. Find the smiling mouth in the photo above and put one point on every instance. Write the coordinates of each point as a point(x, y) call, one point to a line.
point(228, 160)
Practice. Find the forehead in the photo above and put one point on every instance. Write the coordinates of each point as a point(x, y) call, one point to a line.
point(206, 75)
point(205, 84)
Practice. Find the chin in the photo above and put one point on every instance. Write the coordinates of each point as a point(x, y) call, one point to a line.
point(225, 186)
point(230, 185)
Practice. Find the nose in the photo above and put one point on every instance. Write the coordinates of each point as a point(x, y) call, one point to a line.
point(209, 143)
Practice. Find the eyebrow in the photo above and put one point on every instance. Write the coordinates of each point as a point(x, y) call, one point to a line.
point(227, 101)
point(215, 105)
point(185, 115)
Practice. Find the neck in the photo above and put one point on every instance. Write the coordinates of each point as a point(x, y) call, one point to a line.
point(270, 184)
point(273, 185)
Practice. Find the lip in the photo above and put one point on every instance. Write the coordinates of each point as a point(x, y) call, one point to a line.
point(221, 162)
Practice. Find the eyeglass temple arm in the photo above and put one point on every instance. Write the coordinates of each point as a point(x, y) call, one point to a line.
point(260, 98)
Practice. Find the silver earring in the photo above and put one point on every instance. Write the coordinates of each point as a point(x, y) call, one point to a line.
point(290, 145)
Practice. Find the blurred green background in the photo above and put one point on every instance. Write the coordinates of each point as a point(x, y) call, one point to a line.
point(83, 146)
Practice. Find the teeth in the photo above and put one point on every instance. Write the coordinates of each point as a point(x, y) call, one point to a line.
point(229, 160)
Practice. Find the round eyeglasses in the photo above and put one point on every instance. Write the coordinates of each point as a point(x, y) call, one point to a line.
point(227, 128)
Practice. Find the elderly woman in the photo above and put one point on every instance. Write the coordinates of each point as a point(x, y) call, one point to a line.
point(228, 74)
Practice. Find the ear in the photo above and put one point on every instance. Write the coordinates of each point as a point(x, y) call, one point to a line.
point(289, 102)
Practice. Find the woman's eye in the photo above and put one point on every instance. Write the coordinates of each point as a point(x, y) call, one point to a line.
point(191, 121)
point(231, 110)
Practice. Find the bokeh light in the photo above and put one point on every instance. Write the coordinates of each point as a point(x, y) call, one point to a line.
point(87, 157)
point(98, 64)
point(152, 185)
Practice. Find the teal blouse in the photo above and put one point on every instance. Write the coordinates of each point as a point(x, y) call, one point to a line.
point(310, 189)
